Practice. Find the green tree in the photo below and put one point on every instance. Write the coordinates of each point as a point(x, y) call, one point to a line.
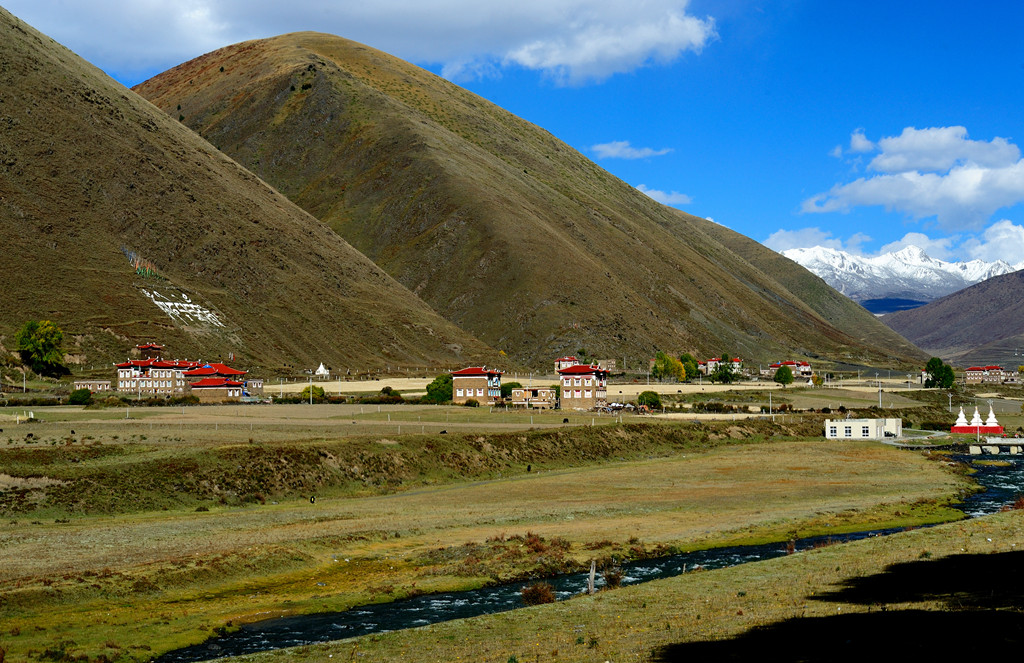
point(80, 397)
point(318, 393)
point(669, 367)
point(440, 390)
point(939, 373)
point(650, 399)
point(690, 365)
point(723, 373)
point(39, 344)
point(784, 376)
point(507, 387)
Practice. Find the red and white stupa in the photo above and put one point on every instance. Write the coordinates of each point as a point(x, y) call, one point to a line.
point(976, 426)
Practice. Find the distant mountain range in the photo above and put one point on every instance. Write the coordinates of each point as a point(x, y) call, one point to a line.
point(895, 281)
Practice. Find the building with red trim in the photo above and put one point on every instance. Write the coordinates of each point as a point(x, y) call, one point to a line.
point(565, 362)
point(217, 390)
point(177, 377)
point(985, 374)
point(477, 382)
point(583, 387)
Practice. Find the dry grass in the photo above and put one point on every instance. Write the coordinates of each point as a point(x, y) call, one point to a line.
point(169, 577)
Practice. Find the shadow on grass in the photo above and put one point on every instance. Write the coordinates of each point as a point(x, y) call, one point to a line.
point(983, 598)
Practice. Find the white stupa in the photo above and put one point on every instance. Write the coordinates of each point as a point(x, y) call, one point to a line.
point(961, 420)
point(991, 421)
point(976, 419)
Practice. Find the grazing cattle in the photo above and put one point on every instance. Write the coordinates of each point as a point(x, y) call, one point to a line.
point(444, 432)
point(565, 421)
point(312, 499)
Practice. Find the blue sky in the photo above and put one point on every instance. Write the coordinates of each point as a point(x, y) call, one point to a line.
point(857, 125)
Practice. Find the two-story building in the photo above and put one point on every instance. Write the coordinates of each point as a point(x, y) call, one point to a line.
point(476, 382)
point(544, 398)
point(584, 387)
point(985, 375)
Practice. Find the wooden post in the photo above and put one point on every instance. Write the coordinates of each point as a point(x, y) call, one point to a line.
point(590, 581)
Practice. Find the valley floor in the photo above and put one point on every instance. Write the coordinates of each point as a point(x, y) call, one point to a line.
point(101, 584)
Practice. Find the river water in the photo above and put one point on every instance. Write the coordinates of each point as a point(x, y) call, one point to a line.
point(1003, 484)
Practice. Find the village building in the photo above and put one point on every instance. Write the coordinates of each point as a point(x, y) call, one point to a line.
point(976, 426)
point(985, 375)
point(565, 362)
point(544, 398)
point(711, 365)
point(217, 390)
point(863, 429)
point(800, 369)
point(477, 382)
point(153, 377)
point(150, 350)
point(583, 387)
point(95, 386)
point(169, 378)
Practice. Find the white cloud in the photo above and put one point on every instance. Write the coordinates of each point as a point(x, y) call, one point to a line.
point(621, 149)
point(782, 240)
point(859, 142)
point(941, 248)
point(1003, 240)
point(934, 172)
point(573, 41)
point(673, 198)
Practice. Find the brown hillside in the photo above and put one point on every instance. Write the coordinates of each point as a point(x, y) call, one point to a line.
point(91, 175)
point(496, 224)
point(981, 324)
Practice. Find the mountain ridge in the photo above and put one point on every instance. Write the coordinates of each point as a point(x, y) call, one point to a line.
point(123, 226)
point(909, 273)
point(495, 223)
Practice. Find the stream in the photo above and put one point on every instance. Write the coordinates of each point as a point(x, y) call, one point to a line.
point(1002, 486)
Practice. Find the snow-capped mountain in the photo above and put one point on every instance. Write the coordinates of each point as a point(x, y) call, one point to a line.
point(909, 273)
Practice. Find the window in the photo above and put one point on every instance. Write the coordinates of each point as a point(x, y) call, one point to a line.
point(848, 431)
point(865, 432)
point(479, 391)
point(832, 432)
point(586, 394)
point(578, 394)
point(587, 382)
point(566, 382)
point(577, 382)
point(458, 392)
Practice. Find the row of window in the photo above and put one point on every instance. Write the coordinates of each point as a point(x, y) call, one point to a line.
point(865, 431)
point(469, 392)
point(586, 382)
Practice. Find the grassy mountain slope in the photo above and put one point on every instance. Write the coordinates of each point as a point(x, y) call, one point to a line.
point(496, 224)
point(977, 325)
point(92, 175)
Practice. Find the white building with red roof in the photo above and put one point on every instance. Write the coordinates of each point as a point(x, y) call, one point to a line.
point(584, 387)
point(565, 362)
point(985, 374)
point(176, 377)
point(477, 382)
point(800, 369)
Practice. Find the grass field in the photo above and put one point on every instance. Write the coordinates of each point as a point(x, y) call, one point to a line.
point(120, 534)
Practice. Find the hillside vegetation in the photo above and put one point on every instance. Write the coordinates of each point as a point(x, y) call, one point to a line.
point(122, 226)
point(499, 226)
point(977, 325)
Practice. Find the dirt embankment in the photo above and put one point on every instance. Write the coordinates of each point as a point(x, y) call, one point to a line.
point(98, 478)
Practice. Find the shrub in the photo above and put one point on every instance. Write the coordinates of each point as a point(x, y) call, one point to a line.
point(80, 397)
point(472, 402)
point(650, 399)
point(538, 593)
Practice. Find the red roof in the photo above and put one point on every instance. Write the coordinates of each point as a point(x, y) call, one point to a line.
point(993, 368)
point(581, 369)
point(476, 371)
point(567, 359)
point(213, 369)
point(975, 368)
point(150, 346)
point(211, 383)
